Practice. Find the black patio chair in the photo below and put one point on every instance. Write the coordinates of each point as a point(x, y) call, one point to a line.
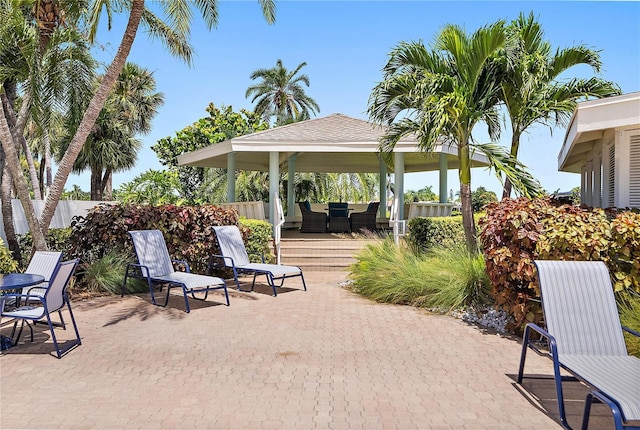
point(365, 220)
point(312, 222)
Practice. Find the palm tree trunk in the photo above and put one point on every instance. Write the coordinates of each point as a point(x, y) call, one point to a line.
point(47, 163)
point(96, 184)
point(16, 127)
point(515, 145)
point(91, 114)
point(35, 182)
point(465, 199)
point(107, 185)
point(7, 216)
point(22, 189)
point(12, 132)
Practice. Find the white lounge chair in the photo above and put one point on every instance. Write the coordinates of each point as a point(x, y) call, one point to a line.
point(234, 256)
point(156, 266)
point(585, 338)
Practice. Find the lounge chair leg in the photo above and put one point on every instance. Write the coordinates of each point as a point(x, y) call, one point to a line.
point(226, 294)
point(273, 284)
point(304, 284)
point(601, 398)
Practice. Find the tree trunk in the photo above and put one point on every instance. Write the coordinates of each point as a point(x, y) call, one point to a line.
point(107, 185)
point(47, 164)
point(22, 189)
point(7, 216)
point(515, 144)
point(18, 135)
point(468, 222)
point(96, 184)
point(35, 182)
point(91, 114)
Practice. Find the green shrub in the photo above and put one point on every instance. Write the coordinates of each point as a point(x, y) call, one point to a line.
point(7, 263)
point(444, 278)
point(258, 240)
point(57, 240)
point(424, 233)
point(630, 317)
point(625, 253)
point(106, 274)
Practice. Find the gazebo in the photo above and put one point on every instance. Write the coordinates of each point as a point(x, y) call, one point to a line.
point(332, 144)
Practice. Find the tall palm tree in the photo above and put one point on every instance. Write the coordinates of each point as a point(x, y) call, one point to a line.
point(281, 94)
point(531, 89)
point(175, 36)
point(443, 94)
point(111, 146)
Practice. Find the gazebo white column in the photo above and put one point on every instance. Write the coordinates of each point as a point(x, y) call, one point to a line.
point(231, 177)
point(398, 160)
point(274, 182)
point(291, 198)
point(382, 210)
point(444, 167)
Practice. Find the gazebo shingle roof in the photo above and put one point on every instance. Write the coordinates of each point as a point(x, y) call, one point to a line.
point(332, 128)
point(333, 144)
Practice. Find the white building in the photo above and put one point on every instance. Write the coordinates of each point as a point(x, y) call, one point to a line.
point(603, 145)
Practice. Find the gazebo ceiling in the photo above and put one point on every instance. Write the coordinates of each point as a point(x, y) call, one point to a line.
point(332, 144)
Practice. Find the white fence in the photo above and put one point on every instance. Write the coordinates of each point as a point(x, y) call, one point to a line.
point(65, 211)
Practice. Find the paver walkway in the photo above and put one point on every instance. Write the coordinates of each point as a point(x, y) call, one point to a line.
point(324, 358)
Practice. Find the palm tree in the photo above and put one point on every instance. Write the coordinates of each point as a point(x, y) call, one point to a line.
point(531, 90)
point(174, 35)
point(281, 94)
point(128, 111)
point(444, 94)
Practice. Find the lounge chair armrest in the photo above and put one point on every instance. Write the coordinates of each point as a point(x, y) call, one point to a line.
point(144, 270)
point(542, 332)
point(211, 264)
point(184, 263)
point(631, 331)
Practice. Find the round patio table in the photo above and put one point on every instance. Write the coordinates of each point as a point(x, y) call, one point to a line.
point(14, 281)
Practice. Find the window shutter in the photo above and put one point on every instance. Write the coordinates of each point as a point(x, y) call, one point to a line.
point(634, 170)
point(611, 186)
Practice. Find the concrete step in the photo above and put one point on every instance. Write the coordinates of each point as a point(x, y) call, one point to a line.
point(321, 254)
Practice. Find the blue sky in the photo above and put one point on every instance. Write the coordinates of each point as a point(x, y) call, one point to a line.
point(345, 45)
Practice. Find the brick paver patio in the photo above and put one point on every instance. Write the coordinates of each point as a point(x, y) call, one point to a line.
point(324, 359)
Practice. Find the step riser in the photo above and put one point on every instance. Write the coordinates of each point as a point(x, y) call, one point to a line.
point(321, 255)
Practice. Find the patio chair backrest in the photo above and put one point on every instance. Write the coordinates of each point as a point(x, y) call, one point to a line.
point(152, 252)
point(338, 210)
point(231, 245)
point(373, 207)
point(44, 263)
point(580, 308)
point(55, 294)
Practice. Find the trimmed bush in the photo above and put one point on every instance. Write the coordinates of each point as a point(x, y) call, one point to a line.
point(424, 233)
point(258, 240)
